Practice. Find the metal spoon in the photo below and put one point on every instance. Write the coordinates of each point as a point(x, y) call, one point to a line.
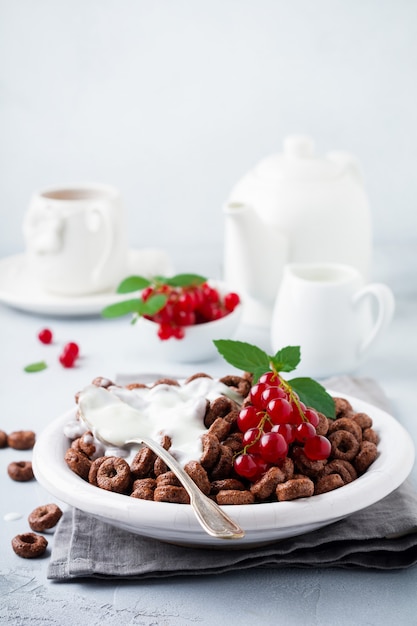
point(211, 517)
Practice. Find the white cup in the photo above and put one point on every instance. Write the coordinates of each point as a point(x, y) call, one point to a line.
point(76, 239)
point(333, 316)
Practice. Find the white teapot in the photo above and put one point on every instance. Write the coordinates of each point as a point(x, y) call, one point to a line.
point(294, 207)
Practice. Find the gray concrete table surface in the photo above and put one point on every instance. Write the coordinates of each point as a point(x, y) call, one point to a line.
point(325, 597)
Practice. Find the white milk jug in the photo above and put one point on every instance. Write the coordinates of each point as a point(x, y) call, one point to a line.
point(332, 314)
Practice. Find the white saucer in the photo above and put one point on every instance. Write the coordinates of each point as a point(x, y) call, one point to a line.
point(19, 289)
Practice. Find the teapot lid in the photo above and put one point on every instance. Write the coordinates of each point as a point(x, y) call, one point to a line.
point(298, 162)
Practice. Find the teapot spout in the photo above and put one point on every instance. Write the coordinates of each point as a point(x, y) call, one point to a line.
point(255, 254)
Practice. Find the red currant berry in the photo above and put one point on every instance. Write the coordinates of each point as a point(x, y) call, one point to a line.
point(164, 331)
point(279, 411)
point(286, 430)
point(304, 431)
point(270, 378)
point(273, 447)
point(146, 293)
point(251, 439)
point(249, 417)
point(245, 465)
point(270, 393)
point(71, 349)
point(255, 394)
point(45, 335)
point(178, 332)
point(312, 417)
point(317, 448)
point(231, 300)
point(66, 360)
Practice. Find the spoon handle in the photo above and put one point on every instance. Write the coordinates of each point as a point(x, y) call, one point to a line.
point(211, 517)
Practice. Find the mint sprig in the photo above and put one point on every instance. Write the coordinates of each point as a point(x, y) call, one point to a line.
point(250, 358)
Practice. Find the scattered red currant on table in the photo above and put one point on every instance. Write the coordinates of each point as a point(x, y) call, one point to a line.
point(45, 336)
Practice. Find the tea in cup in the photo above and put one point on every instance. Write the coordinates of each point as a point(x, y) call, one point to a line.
point(329, 311)
point(76, 239)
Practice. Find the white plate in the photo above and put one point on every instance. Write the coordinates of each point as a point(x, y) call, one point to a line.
point(263, 523)
point(19, 289)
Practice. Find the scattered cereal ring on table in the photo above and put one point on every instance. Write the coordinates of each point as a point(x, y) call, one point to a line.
point(21, 471)
point(29, 545)
point(44, 517)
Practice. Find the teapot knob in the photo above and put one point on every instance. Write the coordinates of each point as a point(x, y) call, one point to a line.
point(298, 147)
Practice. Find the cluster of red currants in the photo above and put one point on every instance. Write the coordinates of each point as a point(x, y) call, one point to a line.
point(69, 353)
point(271, 422)
point(187, 306)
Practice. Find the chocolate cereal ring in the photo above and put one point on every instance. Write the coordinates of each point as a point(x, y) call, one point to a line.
point(235, 496)
point(338, 466)
point(21, 439)
point(168, 478)
point(323, 425)
point(114, 475)
point(29, 545)
point(343, 407)
point(366, 456)
point(171, 493)
point(85, 444)
point(92, 473)
point(363, 420)
point(218, 408)
point(346, 423)
point(199, 475)
point(197, 375)
point(143, 463)
point(267, 484)
point(3, 439)
point(238, 383)
point(369, 434)
point(144, 488)
point(344, 445)
point(211, 450)
point(225, 484)
point(224, 464)
point(78, 462)
point(328, 483)
point(220, 428)
point(44, 517)
point(295, 488)
point(21, 471)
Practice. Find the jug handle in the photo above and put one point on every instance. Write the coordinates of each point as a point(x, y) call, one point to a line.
point(386, 306)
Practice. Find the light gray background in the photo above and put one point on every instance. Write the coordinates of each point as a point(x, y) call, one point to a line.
point(173, 100)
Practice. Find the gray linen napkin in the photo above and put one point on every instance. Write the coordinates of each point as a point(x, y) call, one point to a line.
point(382, 536)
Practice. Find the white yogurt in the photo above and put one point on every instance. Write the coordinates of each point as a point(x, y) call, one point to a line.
point(118, 414)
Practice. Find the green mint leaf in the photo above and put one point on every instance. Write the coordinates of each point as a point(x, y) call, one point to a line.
point(153, 304)
point(122, 308)
point(185, 280)
point(286, 359)
point(314, 395)
point(242, 355)
point(36, 367)
point(133, 283)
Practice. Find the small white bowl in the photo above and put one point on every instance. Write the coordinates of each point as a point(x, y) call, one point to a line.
point(197, 344)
